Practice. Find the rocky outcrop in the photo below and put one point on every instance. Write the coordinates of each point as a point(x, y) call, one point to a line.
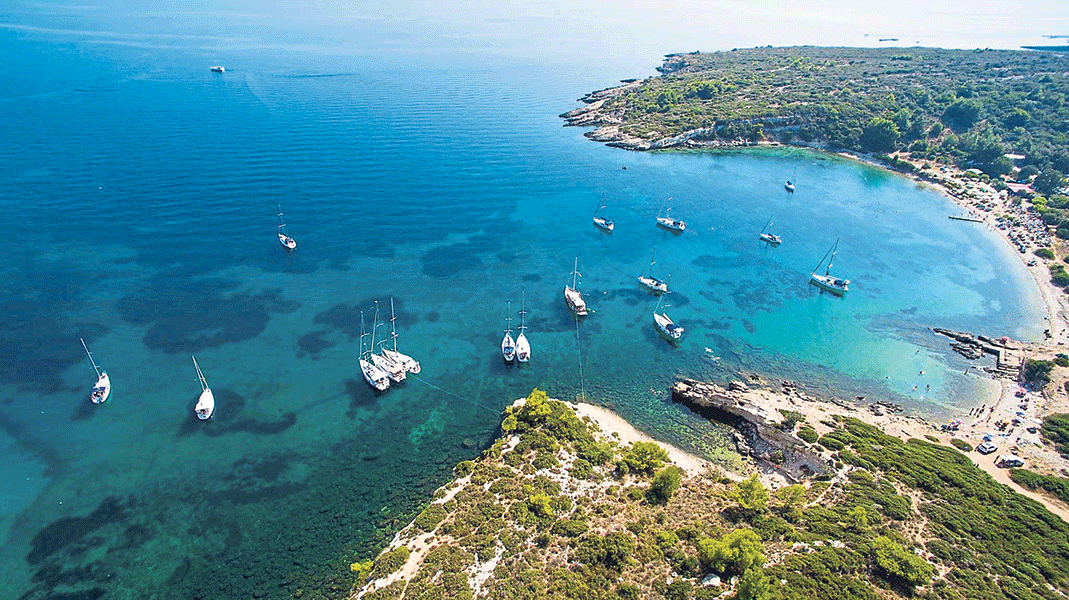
point(760, 432)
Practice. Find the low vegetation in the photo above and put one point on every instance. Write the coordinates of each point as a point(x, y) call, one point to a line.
point(1056, 429)
point(908, 519)
point(964, 107)
point(1056, 486)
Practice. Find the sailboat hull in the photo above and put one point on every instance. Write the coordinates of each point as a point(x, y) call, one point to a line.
point(410, 364)
point(575, 301)
point(394, 371)
point(102, 390)
point(205, 405)
point(666, 327)
point(834, 285)
point(672, 224)
point(508, 348)
point(374, 376)
point(604, 223)
point(287, 242)
point(523, 348)
point(654, 284)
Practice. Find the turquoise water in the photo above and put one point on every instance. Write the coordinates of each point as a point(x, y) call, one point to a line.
point(140, 192)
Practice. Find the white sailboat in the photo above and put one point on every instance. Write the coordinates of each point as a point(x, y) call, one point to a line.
point(664, 323)
point(789, 186)
point(602, 222)
point(102, 389)
point(523, 347)
point(395, 371)
point(669, 223)
point(410, 364)
point(374, 376)
point(834, 285)
point(572, 297)
point(769, 237)
point(652, 282)
point(287, 242)
point(205, 407)
point(508, 346)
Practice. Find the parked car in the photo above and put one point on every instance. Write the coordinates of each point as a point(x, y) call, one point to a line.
point(1008, 461)
point(1032, 429)
point(987, 448)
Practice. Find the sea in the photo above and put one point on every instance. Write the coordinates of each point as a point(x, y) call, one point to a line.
point(419, 161)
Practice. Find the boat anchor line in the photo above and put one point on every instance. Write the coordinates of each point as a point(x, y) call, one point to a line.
point(579, 351)
point(445, 391)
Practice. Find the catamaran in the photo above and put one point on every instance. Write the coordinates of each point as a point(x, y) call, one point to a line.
point(652, 282)
point(102, 389)
point(826, 281)
point(572, 297)
point(602, 222)
point(670, 223)
point(664, 323)
point(769, 237)
point(523, 347)
point(205, 407)
point(508, 346)
point(410, 364)
point(395, 371)
point(374, 376)
point(287, 242)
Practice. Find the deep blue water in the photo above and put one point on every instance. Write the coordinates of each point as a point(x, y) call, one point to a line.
point(139, 191)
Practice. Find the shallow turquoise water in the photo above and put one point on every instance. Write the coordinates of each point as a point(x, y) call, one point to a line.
point(140, 192)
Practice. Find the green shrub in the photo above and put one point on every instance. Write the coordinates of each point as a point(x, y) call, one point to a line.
point(808, 434)
point(464, 468)
point(390, 562)
point(642, 457)
point(1044, 253)
point(832, 443)
point(664, 485)
point(571, 528)
point(1037, 372)
point(898, 564)
point(1058, 486)
point(961, 445)
point(733, 554)
point(1056, 429)
point(430, 517)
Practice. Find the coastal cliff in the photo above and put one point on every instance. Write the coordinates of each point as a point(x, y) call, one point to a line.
point(763, 430)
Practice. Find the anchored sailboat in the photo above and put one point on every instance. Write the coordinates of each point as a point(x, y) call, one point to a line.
point(523, 347)
point(769, 237)
point(670, 223)
point(572, 297)
point(394, 370)
point(102, 389)
point(410, 364)
point(834, 285)
point(602, 222)
point(287, 242)
point(664, 323)
point(508, 346)
point(205, 407)
point(374, 376)
point(652, 282)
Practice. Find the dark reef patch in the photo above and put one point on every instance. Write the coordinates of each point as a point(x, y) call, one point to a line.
point(61, 533)
point(345, 317)
point(312, 344)
point(447, 261)
point(42, 450)
point(189, 316)
point(531, 278)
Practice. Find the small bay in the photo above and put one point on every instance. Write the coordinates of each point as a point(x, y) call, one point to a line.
point(141, 192)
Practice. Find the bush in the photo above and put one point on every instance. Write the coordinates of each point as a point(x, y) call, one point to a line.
point(733, 554)
point(389, 562)
point(1044, 253)
point(664, 485)
point(1037, 372)
point(808, 434)
point(642, 457)
point(898, 564)
point(961, 445)
point(430, 518)
point(1056, 429)
point(1058, 486)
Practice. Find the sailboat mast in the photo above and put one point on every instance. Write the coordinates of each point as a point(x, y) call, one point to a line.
point(200, 376)
point(374, 326)
point(575, 271)
point(523, 310)
point(834, 249)
point(362, 334)
point(508, 318)
point(393, 322)
point(90, 355)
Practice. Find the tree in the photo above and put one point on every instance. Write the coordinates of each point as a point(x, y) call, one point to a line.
point(733, 554)
point(1015, 118)
point(859, 519)
point(1049, 181)
point(898, 564)
point(879, 135)
point(643, 457)
point(792, 499)
point(754, 585)
point(664, 485)
point(962, 114)
point(750, 494)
